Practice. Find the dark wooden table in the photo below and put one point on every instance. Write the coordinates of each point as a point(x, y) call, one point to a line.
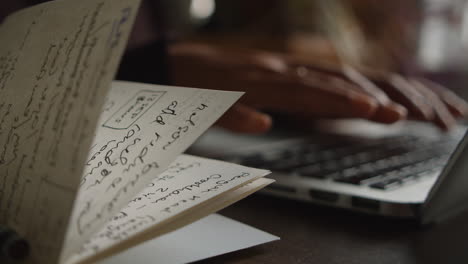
point(315, 234)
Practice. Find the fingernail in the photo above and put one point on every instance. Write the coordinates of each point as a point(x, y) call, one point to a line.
point(392, 113)
point(461, 110)
point(256, 123)
point(264, 123)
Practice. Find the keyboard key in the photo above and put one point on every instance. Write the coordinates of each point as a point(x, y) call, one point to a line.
point(359, 178)
point(285, 165)
point(387, 184)
point(319, 174)
point(256, 160)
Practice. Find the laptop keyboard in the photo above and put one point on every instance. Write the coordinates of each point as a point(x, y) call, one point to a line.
point(382, 164)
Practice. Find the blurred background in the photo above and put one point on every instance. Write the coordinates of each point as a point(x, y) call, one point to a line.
point(428, 37)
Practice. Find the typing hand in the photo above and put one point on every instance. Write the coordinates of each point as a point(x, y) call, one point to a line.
point(425, 100)
point(281, 84)
point(422, 99)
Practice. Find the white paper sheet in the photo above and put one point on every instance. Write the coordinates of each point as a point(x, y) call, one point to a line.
point(211, 236)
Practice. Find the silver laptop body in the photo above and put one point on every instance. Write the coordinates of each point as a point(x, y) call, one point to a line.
point(406, 170)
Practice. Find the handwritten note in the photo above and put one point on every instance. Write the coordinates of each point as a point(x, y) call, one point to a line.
point(188, 182)
point(57, 61)
point(144, 128)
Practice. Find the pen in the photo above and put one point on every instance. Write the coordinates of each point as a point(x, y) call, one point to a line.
point(12, 246)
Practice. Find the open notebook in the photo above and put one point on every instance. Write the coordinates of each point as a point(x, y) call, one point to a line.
point(88, 168)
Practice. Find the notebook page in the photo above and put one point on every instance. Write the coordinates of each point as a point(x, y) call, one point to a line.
point(57, 61)
point(143, 128)
point(188, 183)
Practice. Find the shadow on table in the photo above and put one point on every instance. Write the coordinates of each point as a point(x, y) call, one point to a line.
point(316, 234)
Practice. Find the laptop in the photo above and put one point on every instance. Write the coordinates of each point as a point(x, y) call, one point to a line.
point(410, 169)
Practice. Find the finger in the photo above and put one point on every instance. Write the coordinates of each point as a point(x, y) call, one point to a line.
point(442, 116)
point(243, 119)
point(402, 92)
point(311, 96)
point(457, 106)
point(388, 111)
point(268, 62)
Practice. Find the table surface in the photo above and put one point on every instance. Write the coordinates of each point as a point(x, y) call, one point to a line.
point(316, 234)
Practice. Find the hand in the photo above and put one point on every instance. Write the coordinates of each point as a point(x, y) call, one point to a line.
point(268, 85)
point(279, 83)
point(423, 99)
